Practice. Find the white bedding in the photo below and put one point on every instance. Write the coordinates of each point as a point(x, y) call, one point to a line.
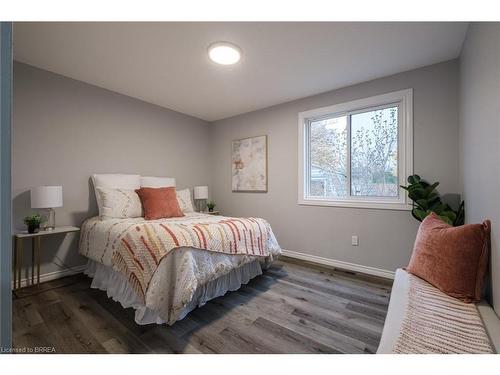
point(180, 275)
point(118, 288)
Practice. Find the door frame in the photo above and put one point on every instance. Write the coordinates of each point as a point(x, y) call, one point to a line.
point(5, 186)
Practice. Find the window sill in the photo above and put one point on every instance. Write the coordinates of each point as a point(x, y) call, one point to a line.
point(396, 206)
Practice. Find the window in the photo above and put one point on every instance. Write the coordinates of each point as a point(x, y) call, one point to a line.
point(357, 154)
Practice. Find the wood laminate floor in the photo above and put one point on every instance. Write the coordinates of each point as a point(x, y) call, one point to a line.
point(292, 308)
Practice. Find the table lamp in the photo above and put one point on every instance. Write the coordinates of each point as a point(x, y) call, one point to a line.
point(200, 196)
point(48, 197)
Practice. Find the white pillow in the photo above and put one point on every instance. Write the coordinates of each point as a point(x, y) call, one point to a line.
point(114, 181)
point(184, 199)
point(119, 203)
point(157, 182)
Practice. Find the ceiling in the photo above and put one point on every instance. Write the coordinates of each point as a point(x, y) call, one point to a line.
point(167, 64)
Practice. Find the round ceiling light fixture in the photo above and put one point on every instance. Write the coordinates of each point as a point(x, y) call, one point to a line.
point(224, 53)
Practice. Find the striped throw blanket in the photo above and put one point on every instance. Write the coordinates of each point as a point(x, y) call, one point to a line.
point(142, 247)
point(437, 323)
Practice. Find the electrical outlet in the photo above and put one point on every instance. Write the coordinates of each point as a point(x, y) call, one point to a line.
point(355, 241)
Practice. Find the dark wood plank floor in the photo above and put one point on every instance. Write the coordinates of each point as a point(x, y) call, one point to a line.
point(292, 308)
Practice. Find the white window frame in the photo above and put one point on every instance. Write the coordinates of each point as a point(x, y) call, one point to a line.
point(404, 100)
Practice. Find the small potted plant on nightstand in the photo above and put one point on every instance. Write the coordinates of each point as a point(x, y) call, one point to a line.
point(33, 223)
point(210, 206)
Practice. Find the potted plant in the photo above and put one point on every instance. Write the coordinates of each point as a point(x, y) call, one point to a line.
point(33, 223)
point(426, 200)
point(211, 206)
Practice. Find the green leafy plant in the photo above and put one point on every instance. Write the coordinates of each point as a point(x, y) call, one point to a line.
point(33, 222)
point(211, 205)
point(426, 200)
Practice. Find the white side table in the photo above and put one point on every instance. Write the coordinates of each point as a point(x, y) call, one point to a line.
point(35, 251)
point(211, 212)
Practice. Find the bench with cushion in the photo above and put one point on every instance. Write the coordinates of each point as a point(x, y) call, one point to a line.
point(435, 304)
point(422, 319)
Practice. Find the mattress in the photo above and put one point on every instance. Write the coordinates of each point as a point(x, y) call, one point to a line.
point(185, 278)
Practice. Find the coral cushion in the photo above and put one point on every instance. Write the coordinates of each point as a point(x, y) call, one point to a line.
point(453, 259)
point(159, 203)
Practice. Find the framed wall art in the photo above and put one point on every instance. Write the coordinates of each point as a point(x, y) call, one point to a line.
point(249, 164)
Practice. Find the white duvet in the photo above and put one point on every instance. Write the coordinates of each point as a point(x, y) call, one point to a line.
point(180, 274)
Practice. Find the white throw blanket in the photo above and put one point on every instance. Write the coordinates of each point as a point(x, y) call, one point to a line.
point(437, 323)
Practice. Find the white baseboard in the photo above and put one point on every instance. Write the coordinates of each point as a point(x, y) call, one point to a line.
point(53, 275)
point(292, 254)
point(340, 264)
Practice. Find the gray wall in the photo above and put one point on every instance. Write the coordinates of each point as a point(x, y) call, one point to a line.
point(385, 237)
point(65, 130)
point(480, 134)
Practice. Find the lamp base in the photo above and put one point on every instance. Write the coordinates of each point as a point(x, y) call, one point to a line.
point(201, 205)
point(50, 223)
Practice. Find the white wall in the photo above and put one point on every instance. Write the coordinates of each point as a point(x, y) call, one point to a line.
point(385, 237)
point(480, 135)
point(65, 130)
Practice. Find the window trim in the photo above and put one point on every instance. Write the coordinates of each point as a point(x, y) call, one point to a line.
point(404, 98)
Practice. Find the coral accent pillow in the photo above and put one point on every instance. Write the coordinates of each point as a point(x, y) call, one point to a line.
point(453, 259)
point(159, 203)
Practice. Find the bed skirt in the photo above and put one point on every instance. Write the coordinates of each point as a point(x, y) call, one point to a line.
point(118, 288)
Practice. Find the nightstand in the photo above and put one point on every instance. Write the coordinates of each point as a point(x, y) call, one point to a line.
point(36, 239)
point(211, 212)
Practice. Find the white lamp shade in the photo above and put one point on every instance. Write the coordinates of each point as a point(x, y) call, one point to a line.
point(201, 192)
point(46, 197)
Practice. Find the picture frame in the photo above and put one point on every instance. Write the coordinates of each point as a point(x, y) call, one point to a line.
point(249, 165)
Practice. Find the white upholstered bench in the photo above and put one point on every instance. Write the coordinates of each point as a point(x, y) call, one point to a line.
point(396, 323)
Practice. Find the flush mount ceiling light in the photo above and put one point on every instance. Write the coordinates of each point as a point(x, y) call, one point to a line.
point(224, 53)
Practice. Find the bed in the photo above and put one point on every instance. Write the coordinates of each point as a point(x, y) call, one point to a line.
point(167, 267)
